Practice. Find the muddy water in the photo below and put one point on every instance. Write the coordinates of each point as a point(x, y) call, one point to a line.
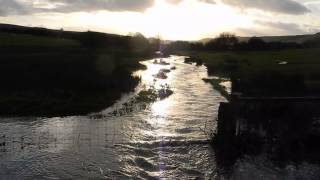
point(165, 140)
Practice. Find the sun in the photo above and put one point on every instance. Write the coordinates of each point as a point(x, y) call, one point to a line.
point(189, 20)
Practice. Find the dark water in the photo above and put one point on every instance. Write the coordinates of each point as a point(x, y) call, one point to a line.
point(167, 140)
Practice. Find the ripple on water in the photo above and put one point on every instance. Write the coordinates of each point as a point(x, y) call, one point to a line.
point(163, 140)
point(150, 142)
point(184, 130)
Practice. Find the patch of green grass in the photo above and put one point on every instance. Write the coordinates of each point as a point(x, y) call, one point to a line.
point(239, 63)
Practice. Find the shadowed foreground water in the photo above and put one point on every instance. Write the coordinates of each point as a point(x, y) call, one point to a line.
point(167, 140)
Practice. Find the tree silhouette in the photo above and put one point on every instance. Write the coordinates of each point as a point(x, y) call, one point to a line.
point(226, 41)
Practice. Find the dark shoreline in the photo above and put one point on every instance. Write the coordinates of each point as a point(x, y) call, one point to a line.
point(50, 73)
point(65, 97)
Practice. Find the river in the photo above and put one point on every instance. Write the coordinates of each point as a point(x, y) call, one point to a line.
point(166, 140)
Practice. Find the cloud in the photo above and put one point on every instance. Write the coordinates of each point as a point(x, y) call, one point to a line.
point(271, 28)
point(249, 32)
point(208, 1)
point(22, 7)
point(179, 1)
point(96, 5)
point(277, 6)
point(290, 28)
point(314, 6)
point(174, 1)
point(13, 7)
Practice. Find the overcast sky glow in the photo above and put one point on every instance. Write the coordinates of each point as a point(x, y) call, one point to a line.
point(171, 19)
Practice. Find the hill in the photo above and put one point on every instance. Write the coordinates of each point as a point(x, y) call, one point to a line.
point(293, 38)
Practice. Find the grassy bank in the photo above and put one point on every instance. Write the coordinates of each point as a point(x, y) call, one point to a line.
point(216, 83)
point(52, 76)
point(288, 72)
point(299, 60)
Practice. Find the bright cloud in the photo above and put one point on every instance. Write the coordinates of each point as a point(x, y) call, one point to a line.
point(172, 19)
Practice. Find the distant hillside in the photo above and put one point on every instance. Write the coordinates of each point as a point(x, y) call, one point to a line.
point(13, 34)
point(295, 38)
point(10, 28)
point(14, 40)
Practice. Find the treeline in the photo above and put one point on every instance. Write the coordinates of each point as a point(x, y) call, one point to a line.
point(227, 41)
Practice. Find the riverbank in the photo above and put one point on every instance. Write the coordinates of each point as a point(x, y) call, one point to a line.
point(67, 85)
point(280, 72)
point(273, 107)
point(216, 83)
point(59, 74)
point(228, 63)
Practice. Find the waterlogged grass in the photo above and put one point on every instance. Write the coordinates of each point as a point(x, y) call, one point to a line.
point(165, 70)
point(152, 94)
point(138, 102)
point(147, 96)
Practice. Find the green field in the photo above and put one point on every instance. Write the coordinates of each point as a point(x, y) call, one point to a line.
point(304, 61)
point(261, 72)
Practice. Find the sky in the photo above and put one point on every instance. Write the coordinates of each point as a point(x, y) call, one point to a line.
point(169, 19)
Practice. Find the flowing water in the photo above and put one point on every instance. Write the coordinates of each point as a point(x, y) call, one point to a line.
point(166, 140)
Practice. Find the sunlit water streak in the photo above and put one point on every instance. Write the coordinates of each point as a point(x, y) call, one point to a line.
point(165, 140)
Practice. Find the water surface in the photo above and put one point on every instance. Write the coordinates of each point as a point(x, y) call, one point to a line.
point(166, 140)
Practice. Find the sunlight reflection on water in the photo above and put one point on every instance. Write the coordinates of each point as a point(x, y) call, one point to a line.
point(171, 126)
point(165, 140)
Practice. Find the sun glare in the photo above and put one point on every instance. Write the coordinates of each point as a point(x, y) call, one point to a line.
point(183, 21)
point(189, 20)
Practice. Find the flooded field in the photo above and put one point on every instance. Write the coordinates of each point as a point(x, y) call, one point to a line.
point(165, 139)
